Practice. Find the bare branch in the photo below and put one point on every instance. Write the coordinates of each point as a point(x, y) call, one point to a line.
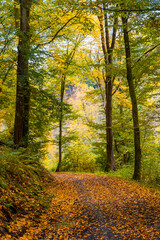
point(100, 18)
point(100, 88)
point(5, 77)
point(133, 10)
point(117, 88)
point(114, 33)
point(106, 27)
point(56, 34)
point(150, 50)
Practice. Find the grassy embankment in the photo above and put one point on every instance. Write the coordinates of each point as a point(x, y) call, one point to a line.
point(23, 186)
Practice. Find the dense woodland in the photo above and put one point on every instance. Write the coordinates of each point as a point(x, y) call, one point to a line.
point(80, 85)
point(79, 93)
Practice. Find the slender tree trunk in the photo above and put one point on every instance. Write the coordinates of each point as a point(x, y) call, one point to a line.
point(21, 127)
point(63, 82)
point(137, 168)
point(110, 165)
point(60, 146)
point(108, 54)
point(60, 124)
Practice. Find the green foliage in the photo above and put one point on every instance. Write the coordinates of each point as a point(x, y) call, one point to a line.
point(126, 172)
point(22, 180)
point(79, 158)
point(65, 41)
point(100, 153)
point(151, 164)
point(44, 111)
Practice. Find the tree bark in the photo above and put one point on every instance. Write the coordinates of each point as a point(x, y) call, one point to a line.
point(110, 164)
point(21, 127)
point(60, 124)
point(137, 167)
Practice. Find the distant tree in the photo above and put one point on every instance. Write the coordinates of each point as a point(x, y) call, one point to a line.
point(65, 63)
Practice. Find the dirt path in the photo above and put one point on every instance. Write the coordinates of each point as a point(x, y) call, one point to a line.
point(91, 207)
point(98, 220)
point(113, 209)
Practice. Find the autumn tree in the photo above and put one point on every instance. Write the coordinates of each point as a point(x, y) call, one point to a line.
point(108, 48)
point(7, 54)
point(64, 68)
point(114, 71)
point(132, 91)
point(137, 171)
point(28, 47)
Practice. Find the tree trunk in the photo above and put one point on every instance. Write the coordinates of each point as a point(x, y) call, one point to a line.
point(60, 125)
point(108, 54)
point(110, 164)
point(137, 168)
point(60, 146)
point(21, 127)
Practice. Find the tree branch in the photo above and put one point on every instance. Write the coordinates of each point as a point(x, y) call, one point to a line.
point(100, 18)
point(56, 34)
point(106, 27)
point(133, 10)
point(114, 33)
point(150, 50)
point(116, 90)
point(4, 79)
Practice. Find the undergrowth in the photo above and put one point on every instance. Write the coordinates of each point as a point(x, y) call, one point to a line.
point(126, 172)
point(22, 185)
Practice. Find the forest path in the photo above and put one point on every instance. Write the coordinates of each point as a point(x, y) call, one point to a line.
point(94, 207)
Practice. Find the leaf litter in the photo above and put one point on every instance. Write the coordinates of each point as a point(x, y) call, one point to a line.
point(92, 207)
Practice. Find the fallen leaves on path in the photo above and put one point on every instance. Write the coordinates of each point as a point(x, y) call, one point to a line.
point(87, 206)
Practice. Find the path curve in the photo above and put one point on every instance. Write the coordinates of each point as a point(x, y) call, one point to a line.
point(112, 208)
point(91, 207)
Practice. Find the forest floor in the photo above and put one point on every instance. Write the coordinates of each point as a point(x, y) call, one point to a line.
point(92, 207)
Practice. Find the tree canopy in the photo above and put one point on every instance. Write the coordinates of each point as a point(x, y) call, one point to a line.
point(79, 84)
